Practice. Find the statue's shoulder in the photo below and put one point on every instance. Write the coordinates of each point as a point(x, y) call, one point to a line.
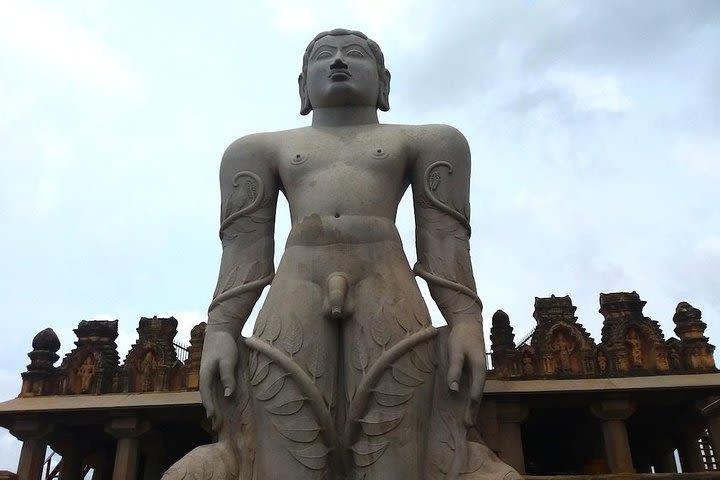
point(256, 149)
point(433, 136)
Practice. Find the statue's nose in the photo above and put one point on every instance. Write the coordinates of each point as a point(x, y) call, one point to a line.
point(338, 64)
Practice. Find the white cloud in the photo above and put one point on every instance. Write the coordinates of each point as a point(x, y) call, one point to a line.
point(46, 36)
point(602, 93)
point(699, 155)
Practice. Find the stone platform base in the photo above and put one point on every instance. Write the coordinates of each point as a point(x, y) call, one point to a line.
point(632, 476)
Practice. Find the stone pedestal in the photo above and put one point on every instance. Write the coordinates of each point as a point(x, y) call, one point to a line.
point(613, 414)
point(32, 433)
point(127, 430)
point(510, 417)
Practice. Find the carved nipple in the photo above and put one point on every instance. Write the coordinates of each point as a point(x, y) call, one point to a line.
point(337, 290)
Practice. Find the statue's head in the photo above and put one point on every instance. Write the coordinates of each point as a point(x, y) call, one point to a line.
point(343, 68)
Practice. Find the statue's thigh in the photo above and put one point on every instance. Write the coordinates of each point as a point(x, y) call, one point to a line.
point(292, 374)
point(390, 442)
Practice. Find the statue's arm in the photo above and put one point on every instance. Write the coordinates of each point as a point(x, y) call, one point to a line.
point(249, 190)
point(441, 196)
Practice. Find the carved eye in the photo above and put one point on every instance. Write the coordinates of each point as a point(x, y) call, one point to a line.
point(323, 54)
point(355, 53)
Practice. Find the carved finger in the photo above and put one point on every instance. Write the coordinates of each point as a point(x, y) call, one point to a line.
point(227, 376)
point(478, 370)
point(454, 371)
point(207, 393)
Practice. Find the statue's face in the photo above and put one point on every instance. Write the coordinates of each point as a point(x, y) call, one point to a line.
point(342, 71)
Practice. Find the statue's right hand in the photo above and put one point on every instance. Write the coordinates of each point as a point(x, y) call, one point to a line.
point(219, 359)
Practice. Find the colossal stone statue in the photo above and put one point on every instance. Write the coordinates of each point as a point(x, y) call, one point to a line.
point(344, 376)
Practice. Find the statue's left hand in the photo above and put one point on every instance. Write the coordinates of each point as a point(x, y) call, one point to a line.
point(466, 346)
point(217, 368)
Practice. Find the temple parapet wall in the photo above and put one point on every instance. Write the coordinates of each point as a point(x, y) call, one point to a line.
point(559, 347)
point(93, 366)
point(631, 344)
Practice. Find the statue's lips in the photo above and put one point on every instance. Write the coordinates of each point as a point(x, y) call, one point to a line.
point(340, 75)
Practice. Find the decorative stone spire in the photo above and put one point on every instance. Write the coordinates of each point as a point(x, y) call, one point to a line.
point(38, 379)
point(501, 332)
point(502, 338)
point(91, 366)
point(560, 344)
point(696, 352)
point(554, 309)
point(152, 363)
point(634, 343)
point(192, 365)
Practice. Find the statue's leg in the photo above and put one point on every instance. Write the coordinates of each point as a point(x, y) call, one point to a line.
point(292, 374)
point(390, 334)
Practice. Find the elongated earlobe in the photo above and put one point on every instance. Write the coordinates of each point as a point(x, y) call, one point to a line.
point(305, 106)
point(383, 102)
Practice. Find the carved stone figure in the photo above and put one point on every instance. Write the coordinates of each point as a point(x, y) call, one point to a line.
point(528, 366)
point(563, 349)
point(147, 368)
point(602, 361)
point(86, 372)
point(344, 376)
point(633, 341)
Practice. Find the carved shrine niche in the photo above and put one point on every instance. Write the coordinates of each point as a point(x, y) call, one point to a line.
point(693, 348)
point(560, 345)
point(152, 364)
point(92, 365)
point(633, 343)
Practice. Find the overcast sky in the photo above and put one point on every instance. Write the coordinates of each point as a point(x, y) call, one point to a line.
point(594, 129)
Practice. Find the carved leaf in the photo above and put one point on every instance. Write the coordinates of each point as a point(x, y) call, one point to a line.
point(273, 328)
point(230, 279)
point(252, 362)
point(254, 272)
point(403, 321)
point(260, 373)
point(360, 355)
point(366, 453)
point(392, 399)
point(286, 408)
point(260, 325)
point(405, 378)
point(313, 457)
point(380, 331)
point(316, 365)
point(434, 180)
point(420, 358)
point(302, 429)
point(293, 338)
point(420, 320)
point(380, 421)
point(271, 390)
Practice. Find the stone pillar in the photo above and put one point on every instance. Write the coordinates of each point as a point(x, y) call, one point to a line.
point(664, 457)
point(689, 451)
point(714, 428)
point(71, 466)
point(613, 414)
point(710, 408)
point(510, 416)
point(126, 430)
point(32, 432)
